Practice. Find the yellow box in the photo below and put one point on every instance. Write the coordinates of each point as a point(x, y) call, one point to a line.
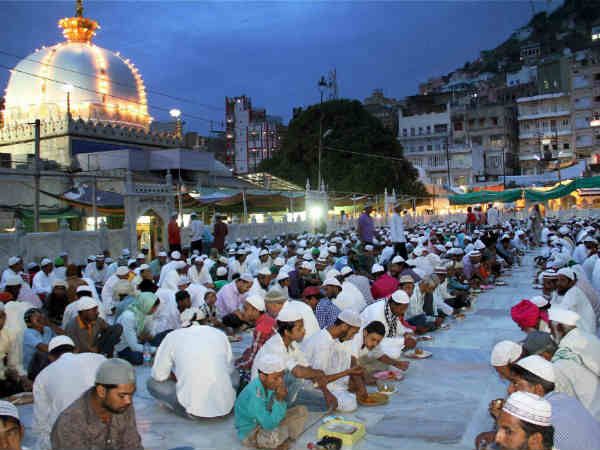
point(347, 439)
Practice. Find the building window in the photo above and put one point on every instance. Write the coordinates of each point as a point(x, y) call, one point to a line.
point(428, 129)
point(495, 121)
point(421, 148)
point(429, 147)
point(440, 128)
point(565, 123)
point(458, 126)
point(420, 131)
point(481, 122)
point(404, 132)
point(566, 146)
point(412, 131)
point(471, 123)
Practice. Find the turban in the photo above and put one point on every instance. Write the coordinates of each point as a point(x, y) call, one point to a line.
point(526, 314)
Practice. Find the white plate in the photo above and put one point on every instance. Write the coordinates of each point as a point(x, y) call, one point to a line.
point(412, 355)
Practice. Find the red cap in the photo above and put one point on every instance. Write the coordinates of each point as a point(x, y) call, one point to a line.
point(311, 291)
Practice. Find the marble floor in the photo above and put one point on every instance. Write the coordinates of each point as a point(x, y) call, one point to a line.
point(441, 404)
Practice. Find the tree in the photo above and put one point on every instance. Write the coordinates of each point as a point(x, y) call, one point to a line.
point(348, 128)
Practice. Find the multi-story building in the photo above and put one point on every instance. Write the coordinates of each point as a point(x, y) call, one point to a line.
point(251, 135)
point(424, 136)
point(385, 109)
point(485, 133)
point(544, 131)
point(585, 105)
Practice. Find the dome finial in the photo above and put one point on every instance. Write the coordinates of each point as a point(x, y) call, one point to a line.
point(79, 9)
point(78, 28)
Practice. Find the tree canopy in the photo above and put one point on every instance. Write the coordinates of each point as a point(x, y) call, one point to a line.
point(347, 127)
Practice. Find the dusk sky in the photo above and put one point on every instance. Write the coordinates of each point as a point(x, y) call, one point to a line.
point(274, 52)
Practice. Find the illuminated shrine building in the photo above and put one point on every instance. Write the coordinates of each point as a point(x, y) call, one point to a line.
point(102, 91)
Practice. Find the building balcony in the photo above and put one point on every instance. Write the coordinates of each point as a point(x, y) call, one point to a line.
point(544, 134)
point(543, 114)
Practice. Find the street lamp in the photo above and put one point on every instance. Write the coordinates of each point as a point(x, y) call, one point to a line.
point(68, 88)
point(176, 114)
point(322, 85)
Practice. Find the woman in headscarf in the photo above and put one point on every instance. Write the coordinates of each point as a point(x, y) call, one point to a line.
point(133, 321)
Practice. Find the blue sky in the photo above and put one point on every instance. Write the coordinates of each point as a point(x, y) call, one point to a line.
point(273, 51)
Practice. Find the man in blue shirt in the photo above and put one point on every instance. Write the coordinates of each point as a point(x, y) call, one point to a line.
point(36, 338)
point(262, 418)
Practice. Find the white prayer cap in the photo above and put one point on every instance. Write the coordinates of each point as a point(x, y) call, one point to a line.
point(183, 280)
point(289, 313)
point(162, 254)
point(247, 277)
point(13, 260)
point(332, 249)
point(505, 353)
point(83, 288)
point(346, 270)
point(257, 301)
point(263, 252)
point(58, 341)
point(270, 363)
point(479, 245)
point(440, 269)
point(140, 256)
point(567, 272)
point(440, 248)
point(144, 267)
point(125, 252)
point(178, 265)
point(564, 230)
point(377, 268)
point(539, 301)
point(448, 244)
point(32, 265)
point(406, 279)
point(13, 280)
point(59, 283)
point(400, 297)
point(221, 271)
point(45, 262)
point(505, 236)
point(520, 233)
point(332, 273)
point(590, 239)
point(368, 248)
point(538, 366)
point(564, 316)
point(115, 371)
point(264, 271)
point(306, 265)
point(332, 282)
point(549, 274)
point(86, 303)
point(282, 275)
point(474, 254)
point(418, 251)
point(350, 317)
point(307, 256)
point(529, 408)
point(190, 315)
point(7, 409)
point(398, 259)
point(279, 261)
point(122, 271)
point(175, 255)
point(91, 258)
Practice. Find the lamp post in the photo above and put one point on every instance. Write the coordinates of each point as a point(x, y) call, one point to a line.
point(176, 114)
point(68, 88)
point(322, 85)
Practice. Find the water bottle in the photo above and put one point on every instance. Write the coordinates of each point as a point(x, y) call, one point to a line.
point(147, 355)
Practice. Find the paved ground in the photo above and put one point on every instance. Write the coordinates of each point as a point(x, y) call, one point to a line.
point(441, 404)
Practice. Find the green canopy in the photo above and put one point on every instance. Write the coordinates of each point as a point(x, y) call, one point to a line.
point(507, 196)
point(562, 190)
point(532, 194)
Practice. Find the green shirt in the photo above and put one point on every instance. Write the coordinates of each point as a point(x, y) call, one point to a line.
point(219, 284)
point(252, 409)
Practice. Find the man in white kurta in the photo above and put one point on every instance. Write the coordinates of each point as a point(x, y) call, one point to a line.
point(59, 385)
point(327, 353)
point(350, 298)
point(396, 328)
point(572, 298)
point(172, 276)
point(42, 281)
point(199, 273)
point(200, 358)
point(107, 294)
